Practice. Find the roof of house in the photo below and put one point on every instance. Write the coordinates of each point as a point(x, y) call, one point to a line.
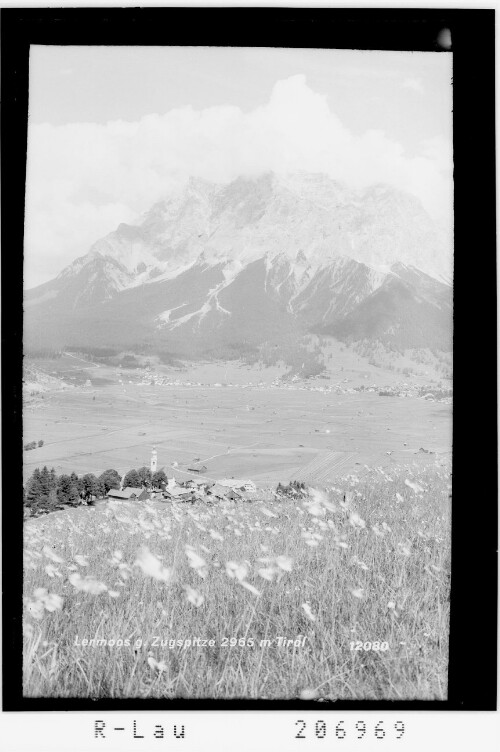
point(218, 490)
point(117, 494)
point(234, 492)
point(178, 491)
point(131, 491)
point(127, 493)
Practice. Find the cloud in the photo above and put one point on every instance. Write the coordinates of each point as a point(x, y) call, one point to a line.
point(85, 178)
point(440, 151)
point(413, 83)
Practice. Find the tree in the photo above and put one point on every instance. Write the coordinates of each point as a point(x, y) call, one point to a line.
point(100, 488)
point(40, 443)
point(133, 479)
point(33, 488)
point(77, 482)
point(74, 497)
point(52, 502)
point(110, 479)
point(90, 486)
point(48, 481)
point(144, 474)
point(158, 478)
point(69, 489)
point(63, 488)
point(41, 490)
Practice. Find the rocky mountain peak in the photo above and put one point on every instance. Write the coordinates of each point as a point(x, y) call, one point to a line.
point(301, 249)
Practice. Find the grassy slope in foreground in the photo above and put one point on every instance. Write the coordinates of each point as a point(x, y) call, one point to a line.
point(360, 580)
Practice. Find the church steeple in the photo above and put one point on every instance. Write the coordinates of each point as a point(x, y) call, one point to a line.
point(154, 460)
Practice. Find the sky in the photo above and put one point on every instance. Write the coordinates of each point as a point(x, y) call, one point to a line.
point(112, 130)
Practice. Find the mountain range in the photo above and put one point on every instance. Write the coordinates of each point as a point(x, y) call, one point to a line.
point(228, 267)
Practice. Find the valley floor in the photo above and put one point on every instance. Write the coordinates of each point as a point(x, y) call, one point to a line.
point(263, 433)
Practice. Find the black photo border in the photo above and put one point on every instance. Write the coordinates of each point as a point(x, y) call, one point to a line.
point(473, 632)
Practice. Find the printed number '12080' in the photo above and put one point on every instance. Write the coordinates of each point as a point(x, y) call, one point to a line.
point(359, 645)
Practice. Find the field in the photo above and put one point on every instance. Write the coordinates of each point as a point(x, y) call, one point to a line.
point(264, 433)
point(357, 591)
point(282, 598)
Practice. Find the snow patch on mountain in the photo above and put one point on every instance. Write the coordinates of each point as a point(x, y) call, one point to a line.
point(164, 318)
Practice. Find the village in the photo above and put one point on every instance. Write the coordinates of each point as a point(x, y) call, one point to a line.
point(34, 390)
point(45, 492)
point(149, 377)
point(192, 489)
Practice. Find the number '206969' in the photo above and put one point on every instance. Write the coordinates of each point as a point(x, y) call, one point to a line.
point(379, 730)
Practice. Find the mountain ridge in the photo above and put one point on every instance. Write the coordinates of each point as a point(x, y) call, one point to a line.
point(252, 260)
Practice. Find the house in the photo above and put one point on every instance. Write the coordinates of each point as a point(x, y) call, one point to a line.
point(197, 468)
point(115, 493)
point(137, 494)
point(234, 495)
point(178, 494)
point(249, 485)
point(157, 494)
point(219, 491)
point(223, 492)
point(244, 485)
point(141, 494)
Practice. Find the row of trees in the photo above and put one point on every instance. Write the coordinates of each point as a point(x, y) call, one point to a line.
point(144, 477)
point(33, 444)
point(294, 488)
point(46, 491)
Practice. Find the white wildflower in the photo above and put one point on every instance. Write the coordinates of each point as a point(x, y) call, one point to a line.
point(52, 571)
point(308, 612)
point(268, 573)
point(356, 521)
point(250, 587)
point(87, 584)
point(235, 570)
point(152, 566)
point(285, 563)
point(414, 486)
point(196, 562)
point(193, 596)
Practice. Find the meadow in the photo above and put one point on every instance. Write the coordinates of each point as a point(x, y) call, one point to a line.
point(263, 433)
point(354, 579)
